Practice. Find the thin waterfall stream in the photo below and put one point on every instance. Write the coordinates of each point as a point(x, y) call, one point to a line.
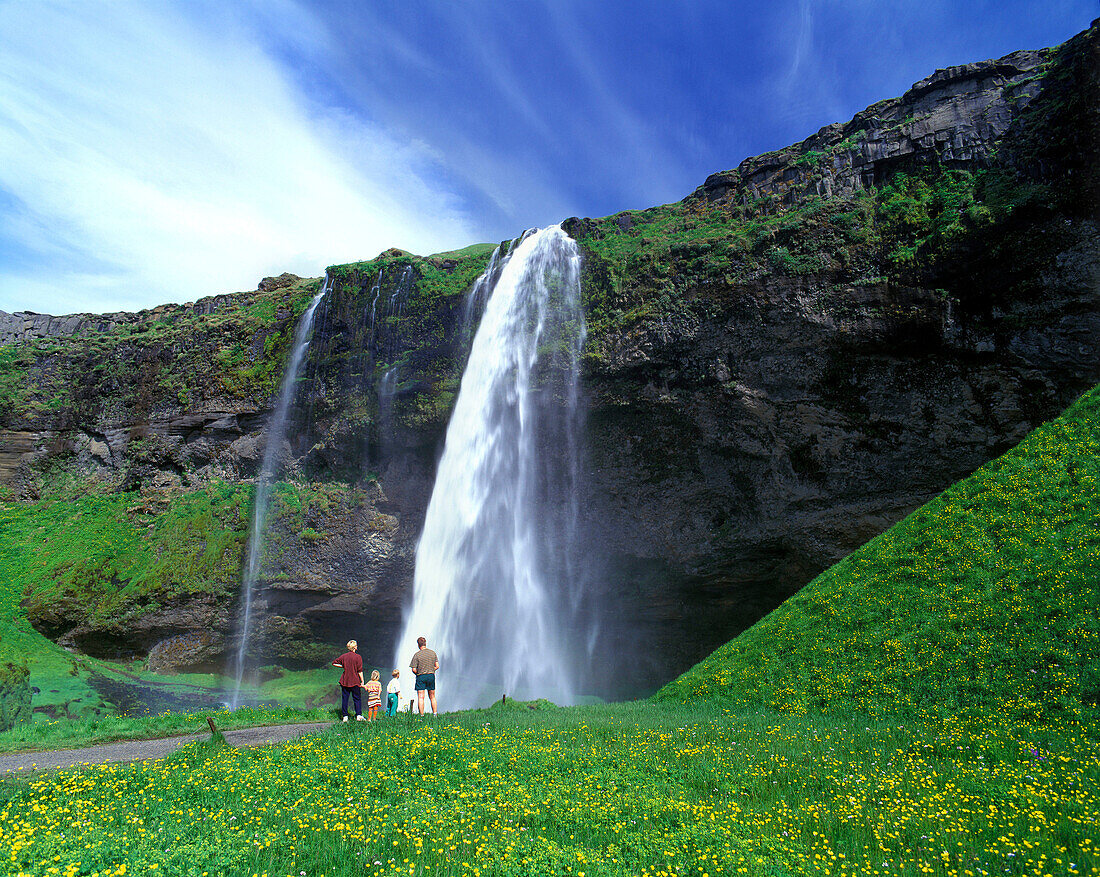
point(495, 586)
point(276, 435)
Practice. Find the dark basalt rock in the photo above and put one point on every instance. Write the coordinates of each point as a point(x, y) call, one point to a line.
point(269, 284)
point(952, 118)
point(745, 453)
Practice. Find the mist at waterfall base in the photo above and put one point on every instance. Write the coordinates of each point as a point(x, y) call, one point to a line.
point(499, 592)
point(276, 436)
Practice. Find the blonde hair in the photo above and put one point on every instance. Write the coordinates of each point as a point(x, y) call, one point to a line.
point(373, 675)
point(396, 672)
point(352, 643)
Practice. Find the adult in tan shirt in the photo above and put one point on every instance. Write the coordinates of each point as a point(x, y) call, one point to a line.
point(424, 664)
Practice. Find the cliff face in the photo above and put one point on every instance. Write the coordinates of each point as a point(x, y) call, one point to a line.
point(778, 368)
point(812, 345)
point(954, 118)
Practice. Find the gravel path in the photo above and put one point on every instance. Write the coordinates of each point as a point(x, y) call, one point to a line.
point(140, 750)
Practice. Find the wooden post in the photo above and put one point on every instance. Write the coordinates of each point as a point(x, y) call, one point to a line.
point(503, 698)
point(210, 722)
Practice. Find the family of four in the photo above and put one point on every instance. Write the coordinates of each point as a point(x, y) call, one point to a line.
point(424, 664)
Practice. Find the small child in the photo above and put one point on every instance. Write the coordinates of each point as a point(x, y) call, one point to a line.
point(374, 696)
point(393, 694)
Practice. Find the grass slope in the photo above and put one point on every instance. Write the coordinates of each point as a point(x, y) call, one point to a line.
point(110, 558)
point(985, 599)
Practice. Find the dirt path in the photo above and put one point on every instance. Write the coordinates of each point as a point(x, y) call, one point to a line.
point(140, 750)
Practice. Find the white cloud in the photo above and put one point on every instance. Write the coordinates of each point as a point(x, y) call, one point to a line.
point(171, 157)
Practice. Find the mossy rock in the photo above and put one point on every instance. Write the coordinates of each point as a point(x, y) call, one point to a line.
point(15, 696)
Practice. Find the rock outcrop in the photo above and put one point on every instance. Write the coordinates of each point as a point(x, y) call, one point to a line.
point(741, 454)
point(954, 118)
point(24, 326)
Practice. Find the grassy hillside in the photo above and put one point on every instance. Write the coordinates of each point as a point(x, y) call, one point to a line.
point(985, 599)
point(109, 559)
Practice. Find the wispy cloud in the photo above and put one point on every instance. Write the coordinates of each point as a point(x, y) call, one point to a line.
point(802, 45)
point(453, 81)
point(161, 153)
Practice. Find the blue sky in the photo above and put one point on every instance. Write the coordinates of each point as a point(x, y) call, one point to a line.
point(162, 151)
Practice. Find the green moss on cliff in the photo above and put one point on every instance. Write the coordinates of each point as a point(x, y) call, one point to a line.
point(15, 696)
point(985, 599)
point(436, 277)
point(106, 559)
point(416, 308)
point(174, 354)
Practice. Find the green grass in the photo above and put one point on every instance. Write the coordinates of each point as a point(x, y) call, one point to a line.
point(630, 789)
point(984, 600)
point(107, 556)
point(478, 250)
point(304, 687)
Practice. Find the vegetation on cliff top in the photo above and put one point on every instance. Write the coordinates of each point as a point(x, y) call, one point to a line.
point(938, 227)
point(440, 275)
point(983, 234)
point(985, 600)
point(416, 308)
point(171, 357)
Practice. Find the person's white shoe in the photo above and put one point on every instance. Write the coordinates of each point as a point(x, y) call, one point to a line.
point(344, 719)
point(360, 719)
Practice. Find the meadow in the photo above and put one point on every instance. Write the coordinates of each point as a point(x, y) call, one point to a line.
point(629, 789)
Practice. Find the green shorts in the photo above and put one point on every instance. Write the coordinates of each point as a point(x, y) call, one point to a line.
point(424, 682)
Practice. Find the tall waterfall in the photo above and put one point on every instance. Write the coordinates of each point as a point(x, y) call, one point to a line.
point(495, 589)
point(276, 435)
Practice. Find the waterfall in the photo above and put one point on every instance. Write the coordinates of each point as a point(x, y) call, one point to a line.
point(495, 590)
point(475, 299)
point(276, 434)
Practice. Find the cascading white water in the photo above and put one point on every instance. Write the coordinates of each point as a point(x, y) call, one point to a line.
point(493, 591)
point(475, 299)
point(276, 433)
